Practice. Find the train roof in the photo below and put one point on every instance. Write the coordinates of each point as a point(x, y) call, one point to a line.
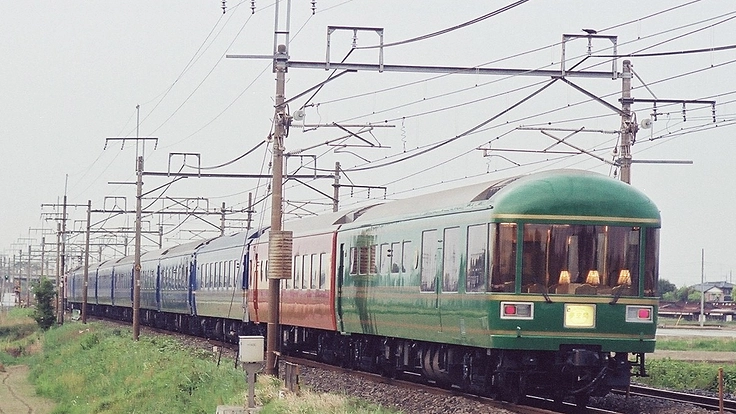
point(573, 196)
point(229, 240)
point(558, 195)
point(327, 221)
point(186, 248)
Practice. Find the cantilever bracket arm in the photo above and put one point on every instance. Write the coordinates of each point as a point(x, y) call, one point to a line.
point(590, 95)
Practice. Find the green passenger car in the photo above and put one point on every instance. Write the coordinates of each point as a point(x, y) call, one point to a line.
point(558, 263)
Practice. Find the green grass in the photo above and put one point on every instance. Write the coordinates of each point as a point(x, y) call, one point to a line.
point(688, 376)
point(695, 343)
point(19, 336)
point(95, 369)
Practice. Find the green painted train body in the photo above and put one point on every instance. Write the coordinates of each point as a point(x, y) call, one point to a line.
point(448, 268)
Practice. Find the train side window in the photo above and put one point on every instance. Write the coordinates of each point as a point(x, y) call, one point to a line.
point(503, 271)
point(322, 270)
point(535, 257)
point(223, 274)
point(408, 263)
point(651, 261)
point(314, 272)
point(395, 257)
point(451, 259)
point(210, 272)
point(290, 280)
point(230, 274)
point(298, 272)
point(293, 281)
point(305, 271)
point(384, 258)
point(429, 260)
point(477, 255)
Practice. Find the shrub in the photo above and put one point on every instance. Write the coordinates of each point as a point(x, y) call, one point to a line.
point(45, 314)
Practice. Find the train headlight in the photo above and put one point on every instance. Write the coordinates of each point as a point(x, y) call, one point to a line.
point(639, 314)
point(517, 310)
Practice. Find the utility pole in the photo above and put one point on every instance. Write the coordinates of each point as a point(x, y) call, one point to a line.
point(702, 287)
point(336, 188)
point(43, 255)
point(58, 268)
point(628, 129)
point(276, 236)
point(139, 191)
point(60, 282)
point(137, 266)
point(86, 263)
point(28, 276)
point(222, 219)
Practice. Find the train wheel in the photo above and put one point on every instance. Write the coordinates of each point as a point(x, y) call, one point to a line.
point(582, 400)
point(511, 387)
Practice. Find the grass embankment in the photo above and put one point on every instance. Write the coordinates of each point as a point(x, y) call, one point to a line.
point(681, 375)
point(19, 336)
point(95, 369)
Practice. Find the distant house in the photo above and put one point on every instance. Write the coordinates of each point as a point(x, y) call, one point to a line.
point(718, 298)
point(716, 291)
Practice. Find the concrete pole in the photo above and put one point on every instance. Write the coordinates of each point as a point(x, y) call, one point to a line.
point(702, 287)
point(273, 334)
point(222, 220)
point(62, 263)
point(58, 271)
point(43, 251)
point(28, 277)
point(627, 129)
point(336, 188)
point(86, 263)
point(137, 267)
point(249, 220)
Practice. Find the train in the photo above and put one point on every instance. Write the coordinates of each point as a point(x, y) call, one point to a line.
point(544, 284)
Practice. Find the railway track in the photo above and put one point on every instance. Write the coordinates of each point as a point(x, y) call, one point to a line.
point(703, 401)
point(529, 405)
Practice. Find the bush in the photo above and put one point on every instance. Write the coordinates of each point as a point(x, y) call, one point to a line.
point(688, 376)
point(45, 314)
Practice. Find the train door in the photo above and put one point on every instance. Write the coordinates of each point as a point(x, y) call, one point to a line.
point(431, 272)
point(192, 286)
point(112, 286)
point(245, 283)
point(338, 288)
point(158, 287)
point(448, 275)
point(97, 274)
point(132, 283)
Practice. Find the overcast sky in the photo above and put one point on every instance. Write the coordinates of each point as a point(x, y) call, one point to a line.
point(72, 73)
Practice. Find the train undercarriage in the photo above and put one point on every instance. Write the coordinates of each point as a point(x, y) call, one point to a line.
point(572, 373)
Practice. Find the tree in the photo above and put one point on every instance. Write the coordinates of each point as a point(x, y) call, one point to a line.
point(665, 286)
point(44, 314)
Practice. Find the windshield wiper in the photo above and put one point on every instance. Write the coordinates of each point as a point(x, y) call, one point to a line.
point(617, 296)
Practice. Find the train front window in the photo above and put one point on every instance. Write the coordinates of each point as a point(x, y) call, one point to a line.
point(651, 262)
point(580, 259)
point(503, 263)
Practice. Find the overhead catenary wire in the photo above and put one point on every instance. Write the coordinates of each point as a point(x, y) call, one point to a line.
point(449, 29)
